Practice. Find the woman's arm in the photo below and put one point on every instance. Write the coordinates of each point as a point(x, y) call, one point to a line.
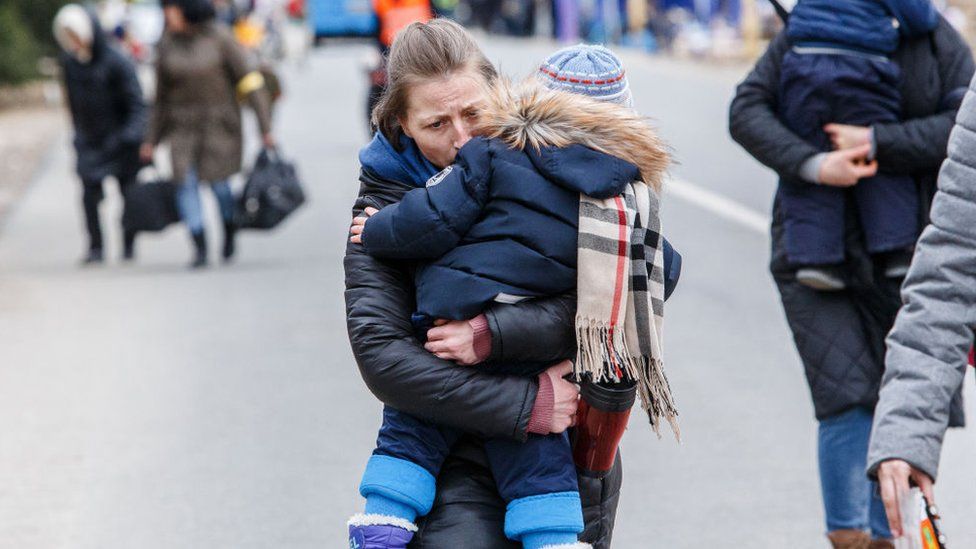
point(160, 108)
point(920, 143)
point(248, 81)
point(397, 369)
point(537, 330)
point(753, 121)
point(928, 346)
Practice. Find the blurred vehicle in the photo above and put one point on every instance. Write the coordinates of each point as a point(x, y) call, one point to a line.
point(342, 18)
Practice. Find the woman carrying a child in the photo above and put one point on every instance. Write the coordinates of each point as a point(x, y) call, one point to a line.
point(470, 409)
point(852, 107)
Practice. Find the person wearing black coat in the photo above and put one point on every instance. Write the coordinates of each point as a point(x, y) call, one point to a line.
point(398, 370)
point(467, 511)
point(840, 336)
point(108, 112)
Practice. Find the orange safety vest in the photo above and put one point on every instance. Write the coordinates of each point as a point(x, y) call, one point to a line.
point(394, 15)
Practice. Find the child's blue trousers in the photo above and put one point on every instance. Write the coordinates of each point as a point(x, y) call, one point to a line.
point(536, 478)
point(819, 86)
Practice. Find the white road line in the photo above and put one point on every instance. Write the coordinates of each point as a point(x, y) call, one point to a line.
point(719, 205)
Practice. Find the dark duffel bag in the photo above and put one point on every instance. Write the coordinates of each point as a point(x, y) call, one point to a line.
point(271, 194)
point(150, 206)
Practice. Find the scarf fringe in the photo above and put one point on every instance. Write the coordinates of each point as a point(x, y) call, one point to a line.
point(600, 351)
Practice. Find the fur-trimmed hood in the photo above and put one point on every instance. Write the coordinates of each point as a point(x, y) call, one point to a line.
point(526, 115)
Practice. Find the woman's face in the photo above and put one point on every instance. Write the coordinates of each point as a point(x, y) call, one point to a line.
point(442, 113)
point(76, 47)
point(175, 21)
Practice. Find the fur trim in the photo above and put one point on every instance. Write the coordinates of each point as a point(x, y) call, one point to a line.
point(579, 545)
point(526, 114)
point(381, 520)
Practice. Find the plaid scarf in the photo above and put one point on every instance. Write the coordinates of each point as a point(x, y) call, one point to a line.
point(620, 309)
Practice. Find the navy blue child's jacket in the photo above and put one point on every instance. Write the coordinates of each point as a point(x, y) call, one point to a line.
point(498, 225)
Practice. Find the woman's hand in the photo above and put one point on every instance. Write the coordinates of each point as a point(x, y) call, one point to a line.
point(846, 137)
point(359, 223)
point(565, 397)
point(146, 153)
point(268, 140)
point(845, 168)
point(893, 477)
point(452, 340)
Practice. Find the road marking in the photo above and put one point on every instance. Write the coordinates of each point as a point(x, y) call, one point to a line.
point(719, 205)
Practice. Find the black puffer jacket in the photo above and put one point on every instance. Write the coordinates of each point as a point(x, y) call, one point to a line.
point(840, 336)
point(379, 301)
point(107, 109)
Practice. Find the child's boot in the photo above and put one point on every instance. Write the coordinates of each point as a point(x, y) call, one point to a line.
point(379, 532)
point(820, 277)
point(897, 263)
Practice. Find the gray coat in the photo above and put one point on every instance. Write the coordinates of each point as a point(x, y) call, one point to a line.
point(928, 347)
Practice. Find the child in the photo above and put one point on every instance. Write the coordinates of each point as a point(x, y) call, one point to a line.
point(838, 71)
point(501, 224)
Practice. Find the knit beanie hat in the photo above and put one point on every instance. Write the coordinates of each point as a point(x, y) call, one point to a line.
point(588, 70)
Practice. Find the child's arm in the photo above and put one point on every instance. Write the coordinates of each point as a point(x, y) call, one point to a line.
point(429, 222)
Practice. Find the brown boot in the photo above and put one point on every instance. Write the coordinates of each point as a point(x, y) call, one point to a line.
point(849, 539)
point(881, 544)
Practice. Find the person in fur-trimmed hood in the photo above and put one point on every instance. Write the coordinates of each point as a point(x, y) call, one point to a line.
point(509, 221)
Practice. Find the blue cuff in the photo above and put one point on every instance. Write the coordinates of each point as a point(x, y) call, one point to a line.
point(540, 540)
point(399, 480)
point(556, 512)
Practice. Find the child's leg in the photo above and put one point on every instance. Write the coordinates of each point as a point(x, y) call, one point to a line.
point(537, 479)
point(813, 223)
point(888, 207)
point(401, 474)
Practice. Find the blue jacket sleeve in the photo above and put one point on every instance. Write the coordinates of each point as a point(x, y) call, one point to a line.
point(672, 269)
point(431, 221)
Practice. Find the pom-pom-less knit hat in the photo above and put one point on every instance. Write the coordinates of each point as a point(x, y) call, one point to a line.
point(588, 70)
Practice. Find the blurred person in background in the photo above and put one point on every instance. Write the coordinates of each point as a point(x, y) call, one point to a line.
point(108, 113)
point(201, 75)
point(933, 334)
point(840, 336)
point(393, 16)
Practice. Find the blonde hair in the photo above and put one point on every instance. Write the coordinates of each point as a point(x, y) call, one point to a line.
point(420, 52)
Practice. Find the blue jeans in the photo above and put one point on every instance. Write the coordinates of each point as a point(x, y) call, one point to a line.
point(189, 206)
point(851, 501)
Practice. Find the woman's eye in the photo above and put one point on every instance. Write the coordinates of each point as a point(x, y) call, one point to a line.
point(471, 114)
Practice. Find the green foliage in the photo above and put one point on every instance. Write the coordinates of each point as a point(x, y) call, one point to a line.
point(19, 50)
point(25, 35)
point(38, 16)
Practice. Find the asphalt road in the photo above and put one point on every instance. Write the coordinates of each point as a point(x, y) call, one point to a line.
point(145, 406)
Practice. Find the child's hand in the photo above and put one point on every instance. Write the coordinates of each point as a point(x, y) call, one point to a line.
point(845, 136)
point(359, 223)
